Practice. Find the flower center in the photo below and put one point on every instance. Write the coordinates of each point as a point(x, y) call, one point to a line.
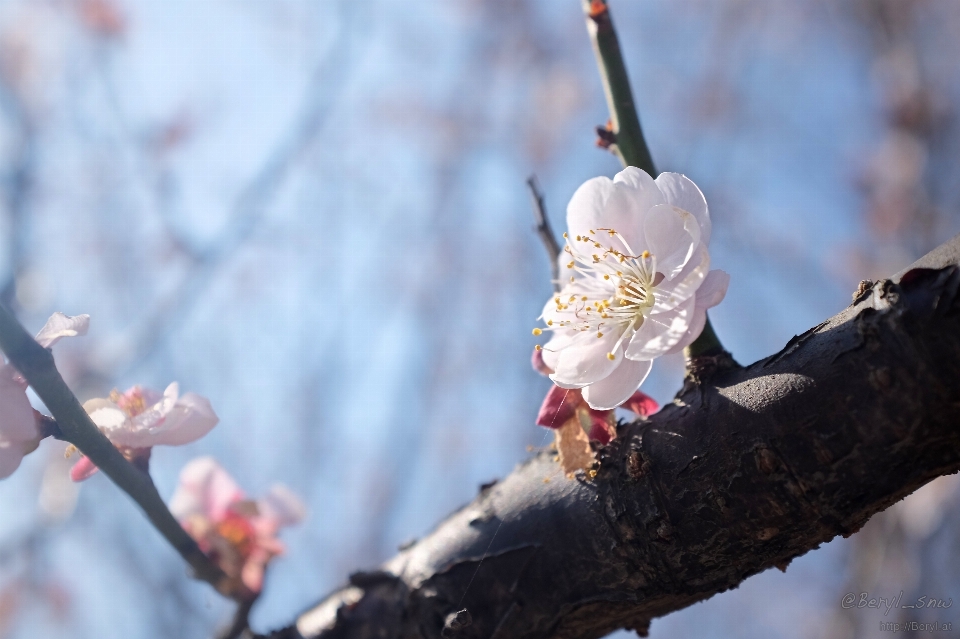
point(614, 291)
point(132, 402)
point(238, 532)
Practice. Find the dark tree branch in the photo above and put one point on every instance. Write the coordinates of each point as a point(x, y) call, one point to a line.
point(747, 469)
point(544, 230)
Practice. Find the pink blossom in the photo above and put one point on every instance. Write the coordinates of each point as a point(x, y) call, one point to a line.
point(140, 418)
point(19, 434)
point(238, 533)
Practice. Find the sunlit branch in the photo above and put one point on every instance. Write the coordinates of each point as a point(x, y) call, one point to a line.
point(37, 366)
point(626, 135)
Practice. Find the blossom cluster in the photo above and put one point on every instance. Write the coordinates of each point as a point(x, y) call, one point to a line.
point(239, 534)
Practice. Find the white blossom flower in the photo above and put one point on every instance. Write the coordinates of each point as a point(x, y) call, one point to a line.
point(19, 434)
point(142, 418)
point(639, 287)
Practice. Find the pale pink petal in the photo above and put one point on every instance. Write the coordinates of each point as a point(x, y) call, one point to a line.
point(10, 457)
point(713, 289)
point(60, 326)
point(83, 469)
point(697, 322)
point(617, 387)
point(254, 568)
point(205, 489)
point(584, 360)
point(281, 506)
point(157, 413)
point(17, 422)
point(191, 418)
point(673, 236)
point(680, 191)
point(660, 332)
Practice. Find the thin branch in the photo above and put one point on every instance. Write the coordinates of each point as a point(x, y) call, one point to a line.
point(625, 137)
point(37, 366)
point(240, 626)
point(544, 230)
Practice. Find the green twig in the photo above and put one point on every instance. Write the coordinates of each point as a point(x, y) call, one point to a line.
point(37, 366)
point(626, 135)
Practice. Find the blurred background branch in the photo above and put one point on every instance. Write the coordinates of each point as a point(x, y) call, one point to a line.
point(141, 124)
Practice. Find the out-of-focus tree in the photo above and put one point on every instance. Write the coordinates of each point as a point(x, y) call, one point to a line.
point(315, 213)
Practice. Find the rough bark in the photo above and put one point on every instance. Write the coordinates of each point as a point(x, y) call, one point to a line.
point(747, 469)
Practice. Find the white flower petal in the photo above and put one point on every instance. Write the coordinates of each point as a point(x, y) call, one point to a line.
point(191, 418)
point(634, 195)
point(60, 326)
point(282, 506)
point(680, 191)
point(713, 289)
point(584, 361)
point(107, 416)
point(551, 350)
point(672, 236)
point(660, 332)
point(693, 331)
point(618, 386)
point(670, 294)
point(587, 204)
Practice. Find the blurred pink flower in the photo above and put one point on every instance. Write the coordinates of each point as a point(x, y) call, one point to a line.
point(238, 533)
point(141, 418)
point(19, 434)
point(640, 286)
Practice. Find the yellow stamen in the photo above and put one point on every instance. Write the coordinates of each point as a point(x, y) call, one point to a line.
point(611, 356)
point(537, 331)
point(599, 334)
point(645, 255)
point(606, 277)
point(570, 265)
point(538, 347)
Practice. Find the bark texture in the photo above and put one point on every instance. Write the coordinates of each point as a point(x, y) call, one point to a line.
point(747, 469)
